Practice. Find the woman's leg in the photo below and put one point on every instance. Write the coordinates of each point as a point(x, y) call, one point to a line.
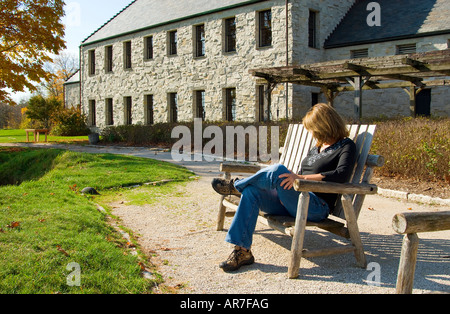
point(252, 201)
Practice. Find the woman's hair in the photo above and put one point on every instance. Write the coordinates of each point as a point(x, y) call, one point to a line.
point(325, 124)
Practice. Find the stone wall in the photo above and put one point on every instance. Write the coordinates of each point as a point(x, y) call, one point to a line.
point(72, 95)
point(183, 74)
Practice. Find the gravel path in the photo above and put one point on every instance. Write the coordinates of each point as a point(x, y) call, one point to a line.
point(181, 230)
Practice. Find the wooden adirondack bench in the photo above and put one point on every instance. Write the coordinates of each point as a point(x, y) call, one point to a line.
point(342, 222)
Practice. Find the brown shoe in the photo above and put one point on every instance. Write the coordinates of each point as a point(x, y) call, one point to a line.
point(225, 187)
point(238, 258)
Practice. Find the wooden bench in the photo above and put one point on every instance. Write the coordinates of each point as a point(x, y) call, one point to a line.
point(410, 224)
point(342, 222)
point(36, 133)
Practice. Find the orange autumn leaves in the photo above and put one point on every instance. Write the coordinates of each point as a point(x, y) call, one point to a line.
point(29, 31)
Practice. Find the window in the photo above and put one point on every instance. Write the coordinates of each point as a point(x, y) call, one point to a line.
point(92, 113)
point(173, 107)
point(127, 55)
point(148, 44)
point(359, 53)
point(200, 104)
point(406, 49)
point(108, 59)
point(128, 110)
point(265, 28)
point(312, 29)
point(314, 99)
point(200, 41)
point(148, 104)
point(230, 104)
point(91, 61)
point(230, 35)
point(109, 110)
point(173, 43)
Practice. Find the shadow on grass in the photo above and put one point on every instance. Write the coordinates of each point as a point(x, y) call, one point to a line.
point(18, 165)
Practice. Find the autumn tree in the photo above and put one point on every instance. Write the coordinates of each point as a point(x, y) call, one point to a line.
point(63, 67)
point(30, 30)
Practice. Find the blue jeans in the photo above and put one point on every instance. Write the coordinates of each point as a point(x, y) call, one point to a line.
point(263, 192)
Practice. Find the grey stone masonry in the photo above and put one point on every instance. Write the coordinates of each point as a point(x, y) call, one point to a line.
point(176, 67)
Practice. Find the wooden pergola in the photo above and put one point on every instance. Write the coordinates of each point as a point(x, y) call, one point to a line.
point(412, 73)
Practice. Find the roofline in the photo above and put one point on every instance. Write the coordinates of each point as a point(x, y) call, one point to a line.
point(373, 41)
point(83, 44)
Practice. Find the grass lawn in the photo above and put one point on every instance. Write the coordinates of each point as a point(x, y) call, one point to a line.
point(19, 136)
point(46, 224)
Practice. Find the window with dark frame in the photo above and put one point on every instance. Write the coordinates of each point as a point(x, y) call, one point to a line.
point(127, 54)
point(312, 29)
point(109, 111)
point(148, 48)
point(173, 43)
point(92, 113)
point(230, 104)
point(314, 99)
point(359, 53)
point(230, 35)
point(173, 107)
point(265, 28)
point(406, 49)
point(91, 61)
point(200, 104)
point(128, 110)
point(109, 59)
point(149, 110)
point(200, 41)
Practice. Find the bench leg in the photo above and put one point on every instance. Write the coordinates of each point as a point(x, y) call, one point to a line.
point(221, 216)
point(299, 235)
point(407, 267)
point(353, 230)
point(28, 137)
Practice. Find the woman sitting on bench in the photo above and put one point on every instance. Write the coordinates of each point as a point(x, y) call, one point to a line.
point(271, 189)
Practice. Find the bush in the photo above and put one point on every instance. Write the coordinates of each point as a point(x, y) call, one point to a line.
point(415, 148)
point(69, 122)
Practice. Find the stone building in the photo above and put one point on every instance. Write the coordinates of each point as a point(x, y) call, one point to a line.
point(160, 61)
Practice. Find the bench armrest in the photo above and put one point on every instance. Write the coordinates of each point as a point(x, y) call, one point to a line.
point(239, 168)
point(334, 188)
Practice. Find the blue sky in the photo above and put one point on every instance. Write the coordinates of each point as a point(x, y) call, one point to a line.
point(83, 17)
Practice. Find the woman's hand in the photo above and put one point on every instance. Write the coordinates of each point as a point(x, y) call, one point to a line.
point(288, 183)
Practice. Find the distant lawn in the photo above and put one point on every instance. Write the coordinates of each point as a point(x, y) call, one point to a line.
point(19, 136)
point(46, 224)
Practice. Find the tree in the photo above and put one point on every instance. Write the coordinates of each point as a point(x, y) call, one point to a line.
point(63, 67)
point(29, 31)
point(42, 109)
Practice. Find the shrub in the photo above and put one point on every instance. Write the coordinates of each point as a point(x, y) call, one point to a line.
point(415, 148)
point(69, 122)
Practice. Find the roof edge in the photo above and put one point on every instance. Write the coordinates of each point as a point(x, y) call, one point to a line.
point(83, 43)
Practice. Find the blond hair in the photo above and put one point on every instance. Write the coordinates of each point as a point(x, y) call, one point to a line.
point(325, 124)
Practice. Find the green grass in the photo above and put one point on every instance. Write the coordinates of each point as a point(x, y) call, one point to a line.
point(58, 226)
point(19, 136)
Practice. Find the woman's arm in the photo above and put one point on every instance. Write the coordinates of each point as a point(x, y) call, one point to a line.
point(288, 183)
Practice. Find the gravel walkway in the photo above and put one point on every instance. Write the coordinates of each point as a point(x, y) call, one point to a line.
point(181, 230)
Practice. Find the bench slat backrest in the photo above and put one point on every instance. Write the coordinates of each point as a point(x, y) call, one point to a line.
point(299, 142)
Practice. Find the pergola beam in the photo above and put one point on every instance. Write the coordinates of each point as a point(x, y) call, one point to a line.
point(408, 72)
